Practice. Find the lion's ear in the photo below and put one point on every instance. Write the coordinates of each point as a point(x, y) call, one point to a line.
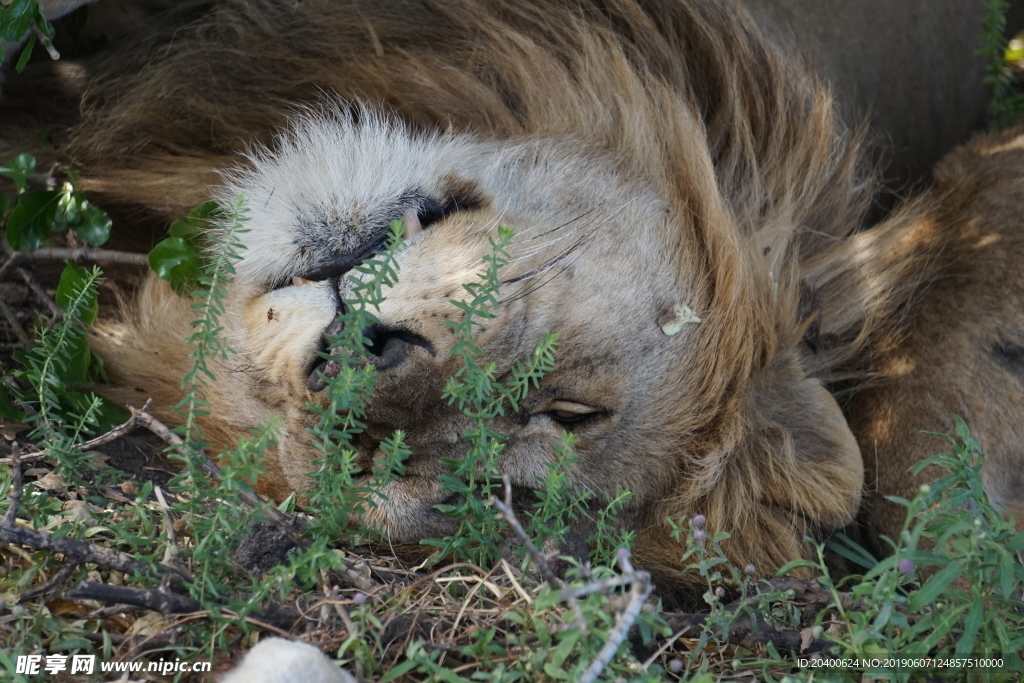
point(814, 465)
point(790, 467)
point(794, 470)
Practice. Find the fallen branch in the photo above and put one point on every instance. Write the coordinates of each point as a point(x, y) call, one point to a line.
point(79, 255)
point(114, 434)
point(168, 603)
point(109, 611)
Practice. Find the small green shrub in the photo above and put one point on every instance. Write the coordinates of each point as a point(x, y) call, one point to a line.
point(1006, 108)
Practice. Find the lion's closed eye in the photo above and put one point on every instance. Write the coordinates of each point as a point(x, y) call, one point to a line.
point(570, 412)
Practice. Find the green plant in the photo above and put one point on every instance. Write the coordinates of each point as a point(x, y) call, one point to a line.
point(178, 258)
point(481, 398)
point(1006, 107)
point(63, 362)
point(37, 215)
point(21, 18)
point(970, 603)
point(337, 496)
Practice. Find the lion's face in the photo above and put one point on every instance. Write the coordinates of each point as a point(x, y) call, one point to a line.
point(581, 229)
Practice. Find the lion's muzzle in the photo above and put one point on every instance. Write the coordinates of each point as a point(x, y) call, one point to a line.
point(387, 348)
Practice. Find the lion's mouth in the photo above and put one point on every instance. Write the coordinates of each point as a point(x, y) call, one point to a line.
point(388, 347)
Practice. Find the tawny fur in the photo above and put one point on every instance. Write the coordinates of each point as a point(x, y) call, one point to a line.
point(714, 171)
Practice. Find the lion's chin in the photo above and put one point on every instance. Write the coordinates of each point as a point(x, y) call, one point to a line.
point(405, 510)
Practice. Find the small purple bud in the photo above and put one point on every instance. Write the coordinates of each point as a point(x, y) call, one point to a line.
point(699, 521)
point(905, 567)
point(675, 665)
point(359, 598)
point(720, 592)
point(750, 569)
point(699, 536)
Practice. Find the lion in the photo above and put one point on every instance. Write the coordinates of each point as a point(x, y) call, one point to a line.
point(687, 206)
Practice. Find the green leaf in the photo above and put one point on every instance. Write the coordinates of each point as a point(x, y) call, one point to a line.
point(16, 20)
point(399, 670)
point(794, 564)
point(184, 229)
point(971, 625)
point(1006, 572)
point(19, 169)
point(565, 648)
point(7, 408)
point(95, 225)
point(78, 355)
point(26, 53)
point(108, 416)
point(177, 261)
point(71, 282)
point(72, 643)
point(934, 586)
point(30, 223)
point(205, 212)
point(851, 550)
point(199, 220)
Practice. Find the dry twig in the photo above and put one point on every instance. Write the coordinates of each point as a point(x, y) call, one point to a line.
point(286, 523)
point(12, 320)
point(37, 288)
point(536, 556)
point(639, 589)
point(55, 582)
point(172, 552)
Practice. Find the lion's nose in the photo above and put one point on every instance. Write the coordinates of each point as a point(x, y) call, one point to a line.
point(387, 348)
point(390, 347)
